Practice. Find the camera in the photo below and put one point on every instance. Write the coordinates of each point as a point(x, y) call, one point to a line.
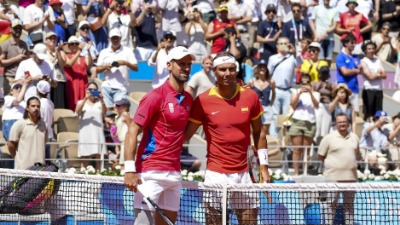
point(115, 64)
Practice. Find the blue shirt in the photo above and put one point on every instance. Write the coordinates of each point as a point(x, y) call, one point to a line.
point(268, 29)
point(350, 62)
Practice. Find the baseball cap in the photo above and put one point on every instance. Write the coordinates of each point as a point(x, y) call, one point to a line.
point(83, 23)
point(16, 86)
point(381, 113)
point(270, 7)
point(169, 34)
point(53, 2)
point(178, 53)
point(49, 34)
point(123, 101)
point(73, 39)
point(114, 33)
point(222, 8)
point(43, 87)
point(40, 51)
point(16, 22)
point(315, 45)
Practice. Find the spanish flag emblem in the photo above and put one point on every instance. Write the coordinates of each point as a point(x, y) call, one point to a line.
point(245, 109)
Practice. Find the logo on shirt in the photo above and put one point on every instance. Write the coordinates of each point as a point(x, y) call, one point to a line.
point(171, 107)
point(215, 112)
point(244, 109)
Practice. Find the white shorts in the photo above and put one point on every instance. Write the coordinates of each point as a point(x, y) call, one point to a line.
point(246, 199)
point(163, 187)
point(354, 102)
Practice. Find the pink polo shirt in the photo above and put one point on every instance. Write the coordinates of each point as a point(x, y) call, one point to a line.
point(163, 113)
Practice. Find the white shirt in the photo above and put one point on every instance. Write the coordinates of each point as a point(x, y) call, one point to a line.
point(205, 6)
point(9, 15)
point(396, 96)
point(122, 23)
point(170, 15)
point(201, 82)
point(161, 72)
point(93, 50)
point(241, 9)
point(13, 112)
point(69, 10)
point(35, 70)
point(117, 77)
point(365, 7)
point(47, 114)
point(283, 73)
point(324, 19)
point(374, 66)
point(34, 14)
point(305, 108)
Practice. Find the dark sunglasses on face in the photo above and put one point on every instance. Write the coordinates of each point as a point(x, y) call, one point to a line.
point(312, 50)
point(75, 44)
point(268, 12)
point(84, 28)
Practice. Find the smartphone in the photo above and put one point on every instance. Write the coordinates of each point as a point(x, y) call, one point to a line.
point(95, 93)
point(115, 64)
point(27, 74)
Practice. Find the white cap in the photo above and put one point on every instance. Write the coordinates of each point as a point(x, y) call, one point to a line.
point(178, 53)
point(73, 39)
point(82, 23)
point(40, 50)
point(315, 45)
point(43, 87)
point(114, 32)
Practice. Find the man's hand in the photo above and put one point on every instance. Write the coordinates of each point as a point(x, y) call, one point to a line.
point(131, 181)
point(265, 176)
point(122, 62)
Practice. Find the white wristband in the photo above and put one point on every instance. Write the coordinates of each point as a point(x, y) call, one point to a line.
point(129, 166)
point(263, 156)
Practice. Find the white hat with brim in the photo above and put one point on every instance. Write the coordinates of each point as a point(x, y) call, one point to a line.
point(71, 40)
point(40, 51)
point(178, 53)
point(114, 33)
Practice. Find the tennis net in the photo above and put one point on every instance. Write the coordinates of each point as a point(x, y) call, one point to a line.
point(94, 199)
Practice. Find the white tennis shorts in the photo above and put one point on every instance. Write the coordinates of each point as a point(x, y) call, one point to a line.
point(246, 199)
point(163, 187)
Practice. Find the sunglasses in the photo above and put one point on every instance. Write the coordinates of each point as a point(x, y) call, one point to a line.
point(84, 28)
point(312, 50)
point(271, 11)
point(74, 44)
point(283, 43)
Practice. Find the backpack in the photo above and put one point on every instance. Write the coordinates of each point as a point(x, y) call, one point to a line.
point(24, 193)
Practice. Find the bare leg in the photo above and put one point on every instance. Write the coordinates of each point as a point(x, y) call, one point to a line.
point(213, 216)
point(170, 214)
point(307, 141)
point(247, 216)
point(297, 141)
point(143, 217)
point(98, 162)
point(85, 161)
point(348, 201)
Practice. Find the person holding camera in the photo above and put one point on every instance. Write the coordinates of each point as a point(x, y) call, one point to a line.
point(91, 110)
point(75, 69)
point(304, 102)
point(196, 29)
point(115, 61)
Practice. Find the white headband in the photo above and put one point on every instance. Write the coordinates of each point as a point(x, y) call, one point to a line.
point(223, 60)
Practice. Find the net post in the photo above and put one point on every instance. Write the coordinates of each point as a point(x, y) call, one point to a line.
point(224, 203)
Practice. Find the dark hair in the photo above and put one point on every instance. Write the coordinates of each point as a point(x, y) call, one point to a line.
point(386, 24)
point(256, 72)
point(306, 75)
point(28, 103)
point(342, 114)
point(365, 45)
point(92, 82)
point(296, 5)
point(348, 38)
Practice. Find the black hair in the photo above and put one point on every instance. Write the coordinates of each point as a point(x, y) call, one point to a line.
point(28, 103)
point(348, 38)
point(296, 5)
point(92, 82)
point(342, 114)
point(365, 45)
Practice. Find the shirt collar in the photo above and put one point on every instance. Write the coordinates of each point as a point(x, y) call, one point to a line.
point(214, 92)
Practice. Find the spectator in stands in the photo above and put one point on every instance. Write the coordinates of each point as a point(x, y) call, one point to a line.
point(235, 47)
point(123, 22)
point(284, 8)
point(115, 61)
point(202, 80)
point(196, 29)
point(55, 56)
point(297, 28)
point(323, 24)
point(146, 34)
point(60, 23)
point(38, 67)
point(373, 134)
point(13, 110)
point(227, 125)
point(75, 69)
point(216, 30)
point(304, 102)
point(170, 18)
point(122, 122)
point(8, 12)
point(84, 29)
point(46, 111)
point(37, 22)
point(267, 33)
point(13, 51)
point(393, 129)
point(91, 110)
point(303, 55)
point(323, 114)
point(22, 4)
point(348, 66)
point(312, 65)
point(391, 14)
point(94, 9)
point(69, 7)
point(159, 57)
point(374, 73)
point(354, 23)
point(28, 137)
point(281, 67)
point(138, 5)
point(386, 45)
point(207, 10)
point(161, 169)
point(339, 151)
point(265, 89)
point(241, 14)
point(341, 104)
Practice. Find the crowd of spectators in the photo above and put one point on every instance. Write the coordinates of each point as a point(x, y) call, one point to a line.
point(285, 41)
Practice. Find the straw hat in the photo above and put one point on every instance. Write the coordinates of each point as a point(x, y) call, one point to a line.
point(342, 86)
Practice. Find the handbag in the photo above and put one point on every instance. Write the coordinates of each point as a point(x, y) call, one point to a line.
point(36, 37)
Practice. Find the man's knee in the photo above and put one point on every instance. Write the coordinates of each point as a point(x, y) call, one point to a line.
point(143, 217)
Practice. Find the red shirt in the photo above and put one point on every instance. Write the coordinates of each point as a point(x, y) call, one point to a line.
point(163, 113)
point(348, 21)
point(219, 42)
point(227, 125)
